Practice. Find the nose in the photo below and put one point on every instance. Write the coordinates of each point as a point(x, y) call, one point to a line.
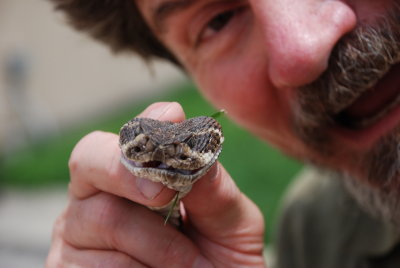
point(299, 35)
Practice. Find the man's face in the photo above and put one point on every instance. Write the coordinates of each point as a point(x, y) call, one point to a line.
point(318, 79)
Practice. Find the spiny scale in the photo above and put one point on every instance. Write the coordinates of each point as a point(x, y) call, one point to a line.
point(185, 151)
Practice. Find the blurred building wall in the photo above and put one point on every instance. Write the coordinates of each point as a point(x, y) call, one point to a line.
point(52, 76)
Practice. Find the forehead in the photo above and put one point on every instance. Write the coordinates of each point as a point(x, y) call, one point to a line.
point(156, 12)
point(144, 5)
point(152, 5)
point(147, 9)
point(161, 6)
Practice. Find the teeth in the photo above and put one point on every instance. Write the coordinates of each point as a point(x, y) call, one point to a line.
point(365, 122)
point(163, 166)
point(185, 172)
point(135, 164)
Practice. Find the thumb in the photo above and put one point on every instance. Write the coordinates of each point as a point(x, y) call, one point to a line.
point(219, 211)
point(171, 111)
point(163, 111)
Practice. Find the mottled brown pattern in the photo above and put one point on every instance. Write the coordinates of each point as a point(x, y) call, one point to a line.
point(144, 140)
point(175, 154)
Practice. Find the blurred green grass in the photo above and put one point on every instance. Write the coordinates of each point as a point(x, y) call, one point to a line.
point(260, 171)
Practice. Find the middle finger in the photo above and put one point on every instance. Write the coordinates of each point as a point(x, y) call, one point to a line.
point(108, 222)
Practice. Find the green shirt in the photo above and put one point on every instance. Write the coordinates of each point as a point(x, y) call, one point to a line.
point(323, 227)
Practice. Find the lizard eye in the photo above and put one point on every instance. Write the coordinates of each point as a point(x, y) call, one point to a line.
point(183, 157)
point(136, 149)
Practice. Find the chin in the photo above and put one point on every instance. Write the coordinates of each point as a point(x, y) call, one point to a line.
point(381, 203)
point(372, 177)
point(349, 118)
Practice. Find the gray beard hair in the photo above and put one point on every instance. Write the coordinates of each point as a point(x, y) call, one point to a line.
point(379, 195)
point(356, 64)
point(384, 206)
point(359, 60)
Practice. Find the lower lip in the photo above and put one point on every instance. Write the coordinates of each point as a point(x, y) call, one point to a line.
point(364, 138)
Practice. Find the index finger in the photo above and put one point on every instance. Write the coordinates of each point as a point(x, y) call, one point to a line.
point(95, 165)
point(225, 216)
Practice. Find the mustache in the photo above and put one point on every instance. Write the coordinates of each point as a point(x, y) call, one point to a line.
point(358, 61)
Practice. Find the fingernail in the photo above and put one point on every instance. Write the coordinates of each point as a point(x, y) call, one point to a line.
point(202, 262)
point(213, 173)
point(148, 188)
point(159, 110)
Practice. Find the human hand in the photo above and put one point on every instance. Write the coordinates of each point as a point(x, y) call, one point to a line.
point(106, 225)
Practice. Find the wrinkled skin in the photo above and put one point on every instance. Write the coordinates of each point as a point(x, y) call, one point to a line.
point(266, 63)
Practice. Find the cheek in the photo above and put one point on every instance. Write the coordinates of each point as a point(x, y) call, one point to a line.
point(247, 95)
point(240, 91)
point(368, 11)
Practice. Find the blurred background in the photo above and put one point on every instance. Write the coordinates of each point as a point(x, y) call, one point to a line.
point(57, 85)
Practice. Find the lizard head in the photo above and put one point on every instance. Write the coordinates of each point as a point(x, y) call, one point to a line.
point(163, 150)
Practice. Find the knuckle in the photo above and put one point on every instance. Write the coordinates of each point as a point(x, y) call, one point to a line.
point(110, 218)
point(119, 260)
point(106, 213)
point(58, 261)
point(57, 256)
point(59, 226)
point(177, 255)
point(114, 170)
point(52, 260)
point(81, 147)
point(73, 163)
point(68, 224)
point(231, 197)
point(75, 156)
point(84, 220)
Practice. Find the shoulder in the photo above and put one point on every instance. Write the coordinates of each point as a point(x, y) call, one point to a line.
point(313, 214)
point(321, 225)
point(313, 190)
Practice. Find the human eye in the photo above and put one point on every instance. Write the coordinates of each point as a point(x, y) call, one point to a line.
point(217, 24)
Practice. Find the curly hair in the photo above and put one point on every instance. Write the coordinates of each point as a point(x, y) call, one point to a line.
point(117, 23)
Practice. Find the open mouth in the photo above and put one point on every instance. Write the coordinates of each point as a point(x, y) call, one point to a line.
point(374, 104)
point(158, 165)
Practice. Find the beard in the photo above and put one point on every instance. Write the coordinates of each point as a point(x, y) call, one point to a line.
point(356, 65)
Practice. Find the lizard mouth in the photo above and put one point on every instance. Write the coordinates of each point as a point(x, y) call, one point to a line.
point(157, 171)
point(154, 168)
point(158, 165)
point(174, 154)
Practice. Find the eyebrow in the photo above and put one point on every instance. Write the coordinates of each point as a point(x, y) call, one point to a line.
point(168, 8)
